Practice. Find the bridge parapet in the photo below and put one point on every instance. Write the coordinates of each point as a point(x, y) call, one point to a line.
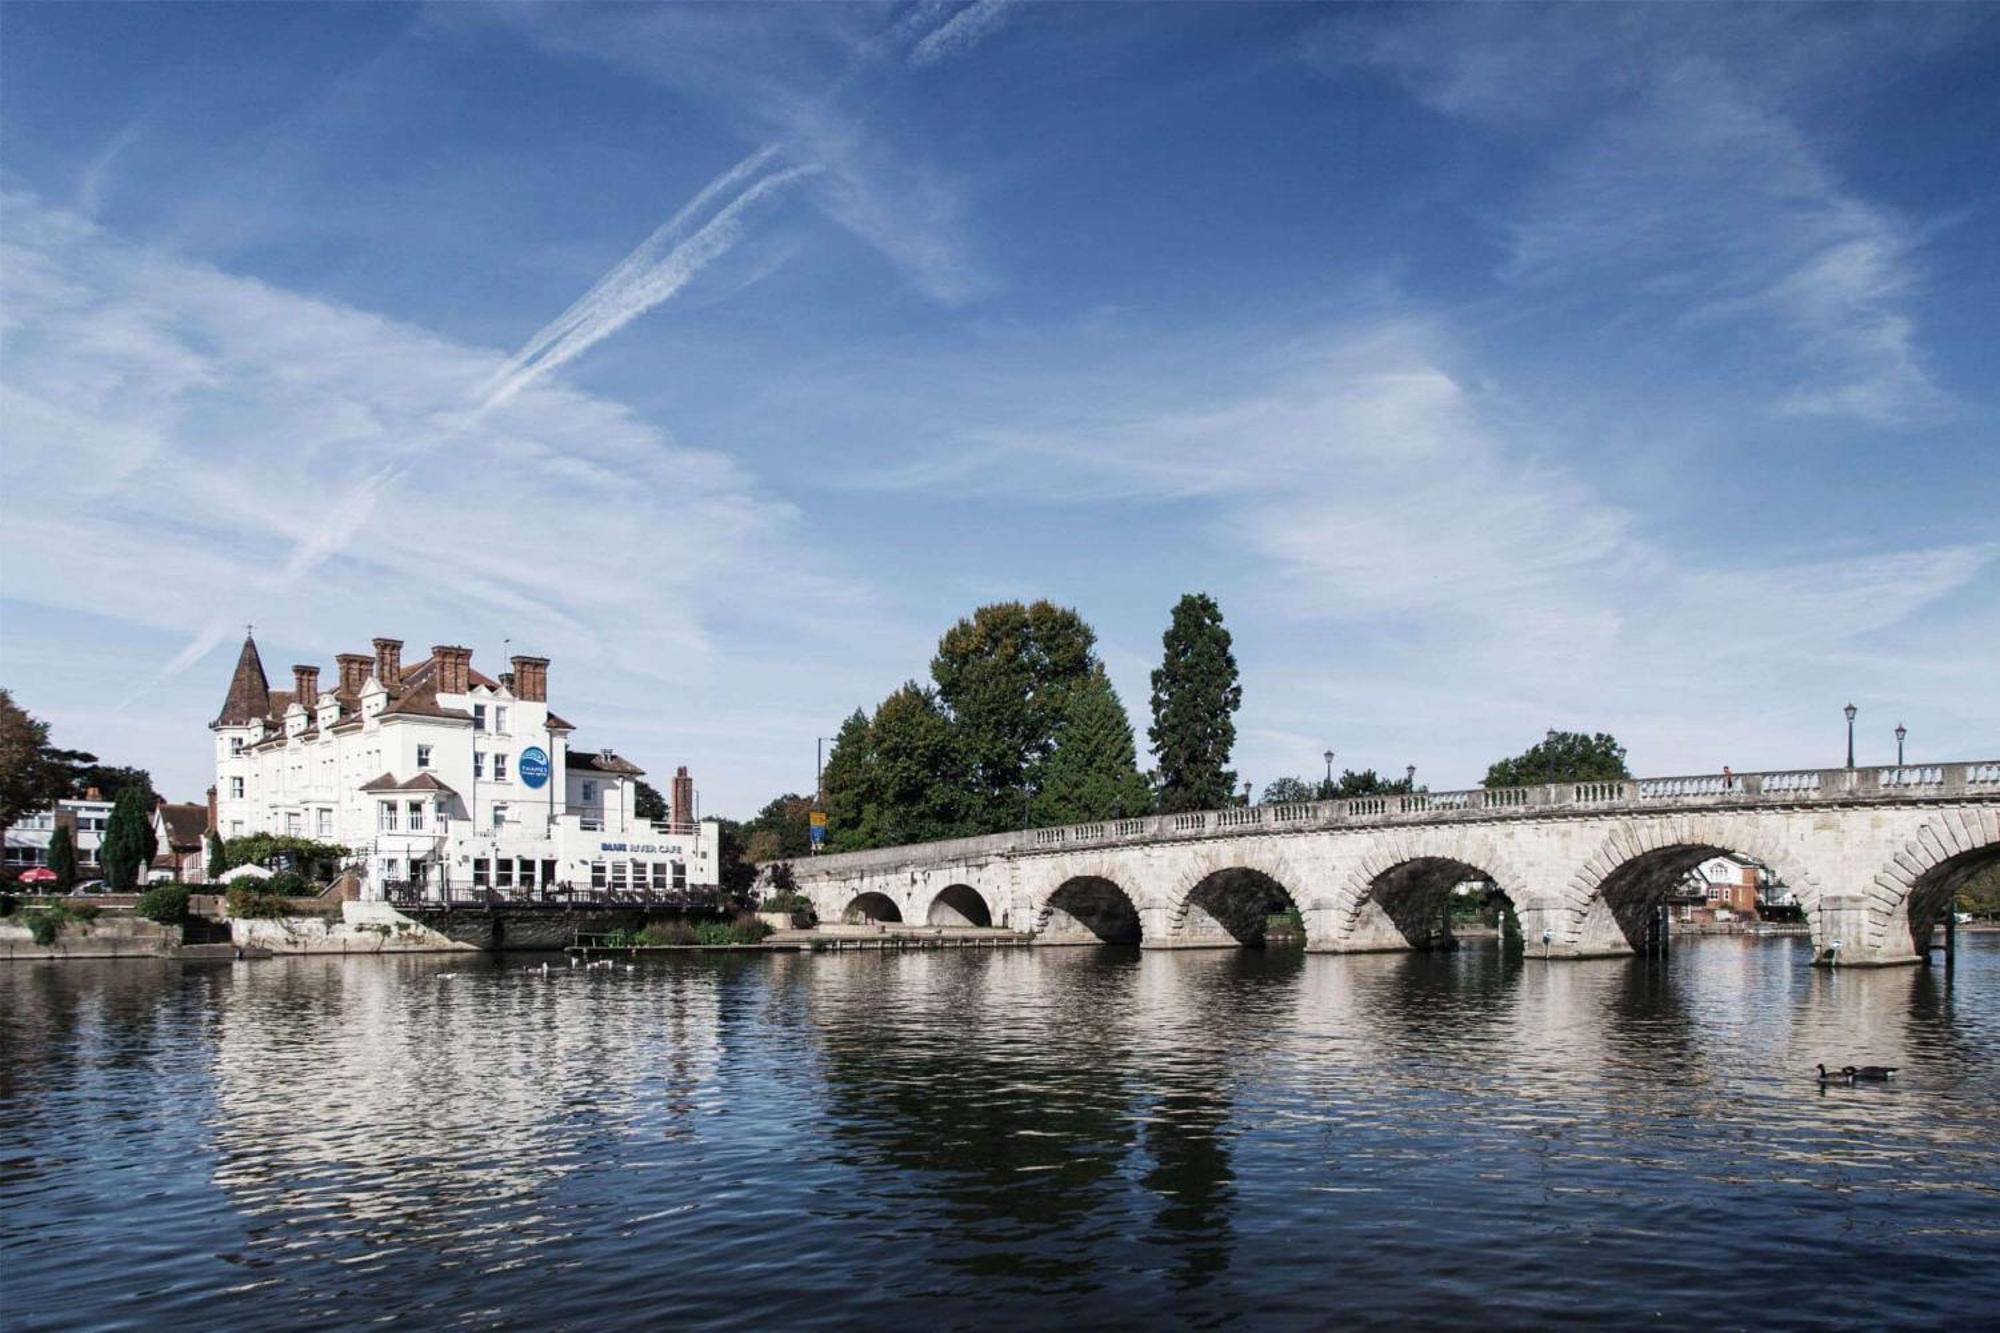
point(1692, 792)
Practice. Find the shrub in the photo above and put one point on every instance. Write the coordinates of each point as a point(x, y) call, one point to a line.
point(668, 932)
point(289, 884)
point(165, 903)
point(800, 906)
point(46, 923)
point(748, 930)
point(252, 900)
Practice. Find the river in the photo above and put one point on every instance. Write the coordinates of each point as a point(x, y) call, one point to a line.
point(1046, 1137)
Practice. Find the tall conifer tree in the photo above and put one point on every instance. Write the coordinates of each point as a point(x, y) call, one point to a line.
point(123, 851)
point(1094, 772)
point(62, 858)
point(1195, 698)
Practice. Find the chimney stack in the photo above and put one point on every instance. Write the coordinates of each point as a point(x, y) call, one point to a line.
point(681, 812)
point(454, 671)
point(305, 686)
point(531, 679)
point(353, 668)
point(389, 661)
point(211, 812)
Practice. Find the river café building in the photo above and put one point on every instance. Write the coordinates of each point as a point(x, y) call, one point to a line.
point(439, 779)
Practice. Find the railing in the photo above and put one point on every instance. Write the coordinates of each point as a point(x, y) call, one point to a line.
point(1978, 780)
point(407, 896)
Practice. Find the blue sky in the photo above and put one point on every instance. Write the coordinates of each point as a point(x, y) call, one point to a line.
point(1497, 368)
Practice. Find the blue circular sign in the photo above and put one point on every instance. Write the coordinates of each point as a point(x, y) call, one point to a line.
point(534, 766)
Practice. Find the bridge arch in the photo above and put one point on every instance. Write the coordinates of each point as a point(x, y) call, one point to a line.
point(1398, 895)
point(1922, 880)
point(959, 905)
point(1088, 909)
point(1231, 903)
point(1612, 901)
point(871, 906)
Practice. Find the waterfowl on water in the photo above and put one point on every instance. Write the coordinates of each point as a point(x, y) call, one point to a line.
point(1837, 1076)
point(1871, 1073)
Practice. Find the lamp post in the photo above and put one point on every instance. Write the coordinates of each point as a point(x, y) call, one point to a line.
point(1850, 710)
point(1326, 792)
point(1901, 731)
point(1246, 793)
point(1409, 777)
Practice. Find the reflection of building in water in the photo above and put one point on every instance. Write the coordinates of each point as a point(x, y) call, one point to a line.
point(374, 1102)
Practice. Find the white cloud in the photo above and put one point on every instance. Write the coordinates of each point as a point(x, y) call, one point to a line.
point(186, 434)
point(961, 32)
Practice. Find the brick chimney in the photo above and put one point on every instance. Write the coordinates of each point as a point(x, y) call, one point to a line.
point(389, 661)
point(211, 810)
point(681, 812)
point(454, 674)
point(531, 679)
point(305, 686)
point(353, 668)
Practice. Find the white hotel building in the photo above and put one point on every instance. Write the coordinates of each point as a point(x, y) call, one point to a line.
point(441, 779)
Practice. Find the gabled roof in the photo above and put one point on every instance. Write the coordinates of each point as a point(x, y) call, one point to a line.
point(421, 782)
point(186, 825)
point(558, 724)
point(604, 761)
point(249, 696)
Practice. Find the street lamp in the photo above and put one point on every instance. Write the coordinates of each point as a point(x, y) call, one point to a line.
point(1246, 792)
point(1901, 731)
point(1850, 710)
point(1410, 777)
point(1328, 756)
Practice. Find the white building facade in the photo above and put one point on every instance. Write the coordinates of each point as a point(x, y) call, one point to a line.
point(441, 781)
point(25, 845)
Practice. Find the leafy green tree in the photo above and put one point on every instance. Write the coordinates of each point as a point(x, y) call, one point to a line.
point(738, 870)
point(108, 780)
point(1290, 791)
point(1195, 698)
point(1093, 773)
point(1980, 895)
point(123, 851)
point(216, 864)
point(845, 783)
point(918, 789)
point(62, 858)
point(1367, 783)
point(779, 830)
point(317, 861)
point(1563, 756)
point(647, 803)
point(1002, 676)
point(30, 779)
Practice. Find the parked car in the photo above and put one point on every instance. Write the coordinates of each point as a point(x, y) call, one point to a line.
point(87, 888)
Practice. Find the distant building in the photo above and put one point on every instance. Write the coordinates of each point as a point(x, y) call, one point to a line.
point(182, 833)
point(1730, 888)
point(437, 775)
point(26, 844)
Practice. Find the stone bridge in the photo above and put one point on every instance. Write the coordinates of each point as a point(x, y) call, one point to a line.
point(1873, 854)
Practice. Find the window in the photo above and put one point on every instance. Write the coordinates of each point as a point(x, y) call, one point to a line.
point(500, 816)
point(416, 813)
point(423, 756)
point(503, 873)
point(479, 717)
point(500, 719)
point(325, 827)
point(590, 793)
point(680, 875)
point(597, 874)
point(478, 765)
point(389, 866)
point(527, 873)
point(236, 789)
point(236, 745)
point(292, 823)
point(387, 815)
point(235, 828)
point(660, 876)
point(478, 872)
point(499, 768)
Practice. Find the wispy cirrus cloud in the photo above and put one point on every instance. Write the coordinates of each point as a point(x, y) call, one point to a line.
point(960, 32)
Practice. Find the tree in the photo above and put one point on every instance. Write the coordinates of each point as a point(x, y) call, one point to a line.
point(30, 779)
point(1195, 698)
point(1290, 791)
point(738, 870)
point(1366, 783)
point(1564, 756)
point(918, 787)
point(85, 775)
point(1002, 676)
point(779, 830)
point(648, 804)
point(1093, 772)
point(216, 865)
point(62, 858)
point(845, 783)
point(123, 851)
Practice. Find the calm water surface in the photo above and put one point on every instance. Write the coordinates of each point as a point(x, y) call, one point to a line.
point(1052, 1137)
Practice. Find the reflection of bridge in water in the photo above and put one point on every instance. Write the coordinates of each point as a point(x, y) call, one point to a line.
point(1875, 856)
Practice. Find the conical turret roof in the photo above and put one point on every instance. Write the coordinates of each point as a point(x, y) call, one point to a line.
point(249, 695)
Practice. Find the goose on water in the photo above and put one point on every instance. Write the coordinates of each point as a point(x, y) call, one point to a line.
point(1836, 1076)
point(1870, 1073)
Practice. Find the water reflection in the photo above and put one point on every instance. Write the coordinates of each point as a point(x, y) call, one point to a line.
point(1083, 1135)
